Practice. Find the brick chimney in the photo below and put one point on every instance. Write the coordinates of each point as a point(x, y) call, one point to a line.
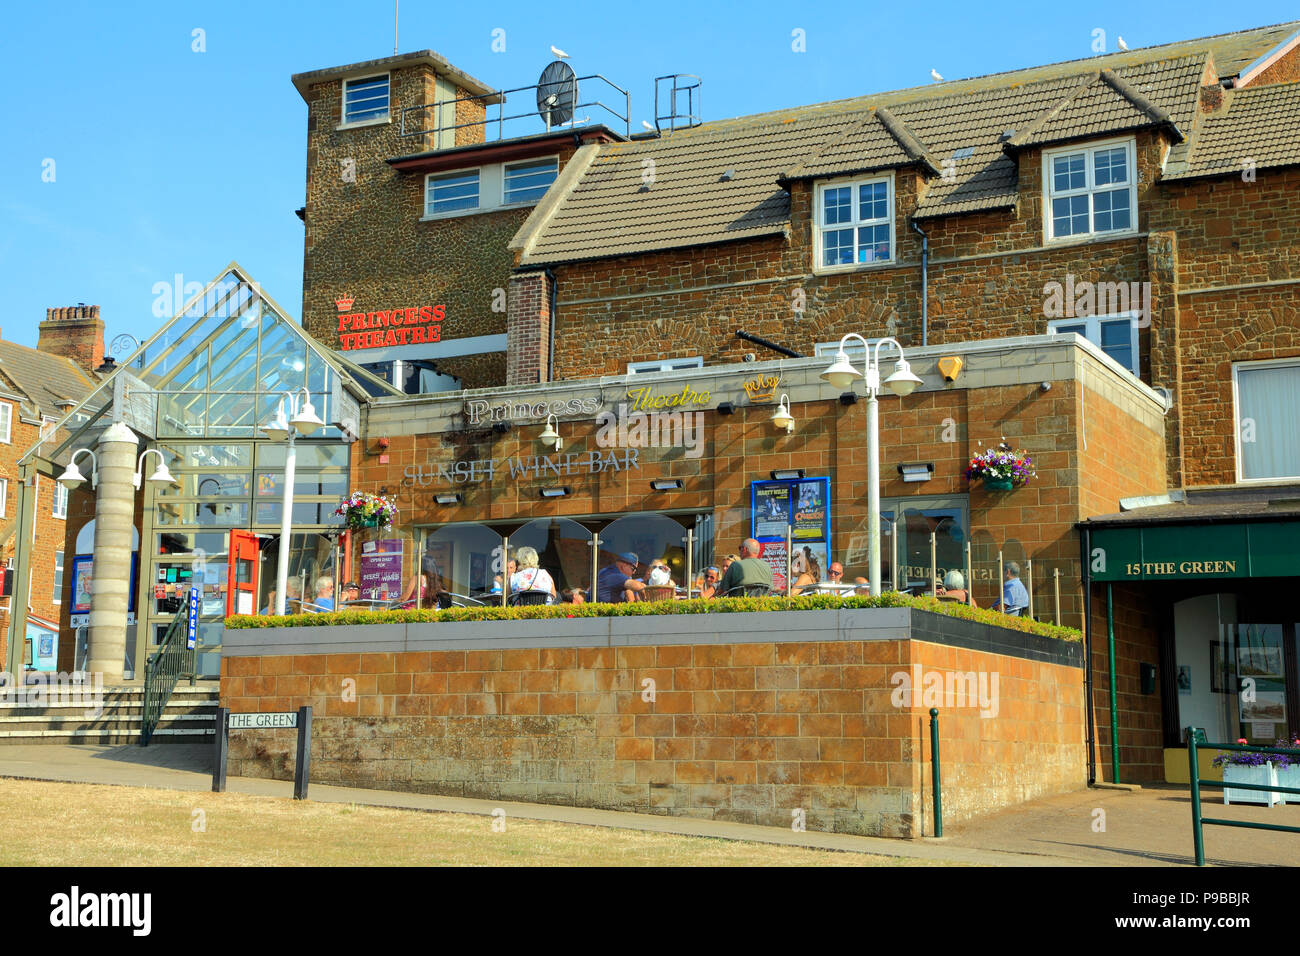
point(76, 332)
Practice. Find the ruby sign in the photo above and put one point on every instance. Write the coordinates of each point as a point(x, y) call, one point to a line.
point(372, 330)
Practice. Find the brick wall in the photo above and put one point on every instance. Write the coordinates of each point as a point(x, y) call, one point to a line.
point(528, 353)
point(744, 732)
point(987, 273)
point(1285, 69)
point(366, 238)
point(49, 535)
point(1141, 736)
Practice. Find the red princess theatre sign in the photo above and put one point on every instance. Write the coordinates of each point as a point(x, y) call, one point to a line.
point(384, 327)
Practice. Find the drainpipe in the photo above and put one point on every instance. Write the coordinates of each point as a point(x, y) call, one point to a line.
point(1110, 654)
point(1087, 653)
point(550, 351)
point(925, 284)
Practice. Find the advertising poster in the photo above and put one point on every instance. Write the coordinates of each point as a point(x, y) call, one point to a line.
point(82, 568)
point(806, 555)
point(381, 569)
point(770, 502)
point(810, 511)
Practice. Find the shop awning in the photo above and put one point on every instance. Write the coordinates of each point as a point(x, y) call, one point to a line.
point(1229, 533)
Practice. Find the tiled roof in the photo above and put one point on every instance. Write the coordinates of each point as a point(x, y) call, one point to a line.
point(670, 192)
point(1257, 124)
point(45, 379)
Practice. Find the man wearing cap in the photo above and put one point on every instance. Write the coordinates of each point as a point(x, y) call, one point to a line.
point(351, 592)
point(614, 582)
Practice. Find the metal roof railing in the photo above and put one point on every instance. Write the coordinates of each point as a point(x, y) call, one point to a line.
point(501, 118)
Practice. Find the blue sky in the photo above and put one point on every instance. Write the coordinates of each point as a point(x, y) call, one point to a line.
point(168, 161)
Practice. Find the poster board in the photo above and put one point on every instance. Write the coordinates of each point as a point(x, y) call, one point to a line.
point(800, 506)
point(381, 569)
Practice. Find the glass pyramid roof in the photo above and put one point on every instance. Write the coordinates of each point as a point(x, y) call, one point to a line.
point(218, 369)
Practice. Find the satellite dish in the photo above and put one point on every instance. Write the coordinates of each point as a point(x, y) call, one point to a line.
point(557, 93)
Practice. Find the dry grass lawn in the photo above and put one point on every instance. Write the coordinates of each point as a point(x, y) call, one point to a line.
point(65, 824)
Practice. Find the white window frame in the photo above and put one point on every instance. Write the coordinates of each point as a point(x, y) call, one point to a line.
point(344, 122)
point(819, 226)
point(6, 423)
point(505, 176)
point(1092, 332)
point(60, 508)
point(478, 207)
point(1090, 189)
point(4, 497)
point(58, 578)
point(665, 365)
point(1236, 418)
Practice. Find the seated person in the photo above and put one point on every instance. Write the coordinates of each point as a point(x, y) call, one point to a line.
point(351, 592)
point(573, 596)
point(861, 586)
point(660, 574)
point(324, 600)
point(835, 573)
point(270, 603)
point(709, 582)
point(614, 582)
point(1015, 598)
point(954, 587)
point(530, 577)
point(806, 582)
point(749, 571)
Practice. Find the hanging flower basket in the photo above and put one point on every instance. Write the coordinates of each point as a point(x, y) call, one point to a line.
point(364, 510)
point(1001, 469)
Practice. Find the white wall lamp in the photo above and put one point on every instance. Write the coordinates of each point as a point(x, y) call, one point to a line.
point(161, 475)
point(781, 418)
point(72, 478)
point(549, 435)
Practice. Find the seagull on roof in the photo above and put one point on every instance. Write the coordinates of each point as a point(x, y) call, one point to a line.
point(934, 75)
point(559, 53)
point(1122, 44)
point(647, 126)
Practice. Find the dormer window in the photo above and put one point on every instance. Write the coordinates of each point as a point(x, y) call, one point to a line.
point(855, 222)
point(1090, 191)
point(365, 99)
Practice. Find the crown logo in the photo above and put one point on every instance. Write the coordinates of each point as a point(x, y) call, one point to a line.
point(344, 302)
point(762, 389)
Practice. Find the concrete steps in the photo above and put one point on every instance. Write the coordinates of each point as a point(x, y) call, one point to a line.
point(189, 717)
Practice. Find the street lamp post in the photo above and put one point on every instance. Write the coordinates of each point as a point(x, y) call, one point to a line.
point(305, 421)
point(902, 382)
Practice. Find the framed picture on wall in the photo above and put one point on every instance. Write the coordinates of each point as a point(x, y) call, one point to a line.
point(1223, 671)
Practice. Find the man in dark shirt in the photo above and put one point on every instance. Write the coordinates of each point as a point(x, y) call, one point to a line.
point(614, 580)
point(749, 571)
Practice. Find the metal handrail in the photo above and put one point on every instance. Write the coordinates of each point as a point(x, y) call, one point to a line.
point(1195, 740)
point(501, 117)
point(173, 660)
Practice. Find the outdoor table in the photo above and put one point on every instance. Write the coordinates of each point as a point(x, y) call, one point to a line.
point(368, 604)
point(829, 587)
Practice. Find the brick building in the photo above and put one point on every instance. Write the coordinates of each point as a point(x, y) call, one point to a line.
point(1146, 200)
point(1093, 261)
point(38, 387)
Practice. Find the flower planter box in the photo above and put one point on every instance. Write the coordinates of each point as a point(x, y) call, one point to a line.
point(997, 484)
point(1263, 776)
point(1289, 777)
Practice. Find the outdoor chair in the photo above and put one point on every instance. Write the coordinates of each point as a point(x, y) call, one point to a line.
point(749, 590)
point(528, 598)
point(665, 592)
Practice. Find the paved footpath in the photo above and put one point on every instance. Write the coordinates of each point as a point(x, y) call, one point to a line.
point(1144, 828)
